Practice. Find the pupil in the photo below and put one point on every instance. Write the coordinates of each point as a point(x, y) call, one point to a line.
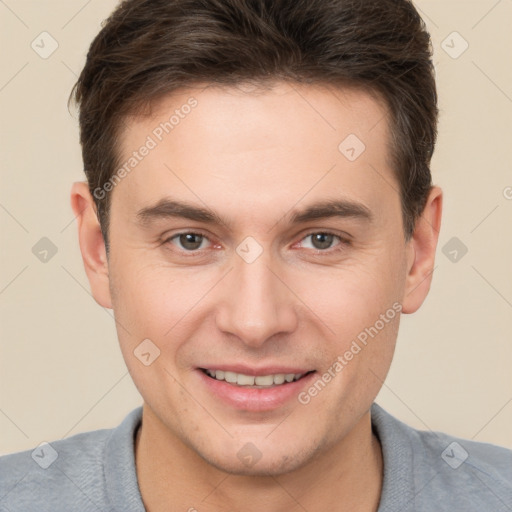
point(188, 242)
point(322, 240)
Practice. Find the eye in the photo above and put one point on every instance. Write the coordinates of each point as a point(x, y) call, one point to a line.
point(191, 242)
point(188, 242)
point(323, 241)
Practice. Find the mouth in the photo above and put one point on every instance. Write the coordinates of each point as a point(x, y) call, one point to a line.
point(271, 380)
point(250, 389)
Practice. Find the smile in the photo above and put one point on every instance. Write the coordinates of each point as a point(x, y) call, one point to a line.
point(254, 381)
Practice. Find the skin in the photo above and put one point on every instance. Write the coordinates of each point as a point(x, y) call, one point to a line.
point(255, 157)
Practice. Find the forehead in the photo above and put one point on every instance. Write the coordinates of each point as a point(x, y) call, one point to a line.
point(253, 115)
point(273, 144)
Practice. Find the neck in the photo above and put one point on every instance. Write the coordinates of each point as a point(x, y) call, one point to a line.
point(173, 477)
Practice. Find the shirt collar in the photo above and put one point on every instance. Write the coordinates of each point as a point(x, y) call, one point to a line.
point(398, 485)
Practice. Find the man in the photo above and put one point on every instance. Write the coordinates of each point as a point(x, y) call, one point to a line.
point(258, 213)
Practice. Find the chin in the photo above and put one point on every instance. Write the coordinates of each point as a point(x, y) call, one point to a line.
point(261, 469)
point(270, 464)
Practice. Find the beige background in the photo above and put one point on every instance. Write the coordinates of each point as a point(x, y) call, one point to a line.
point(61, 370)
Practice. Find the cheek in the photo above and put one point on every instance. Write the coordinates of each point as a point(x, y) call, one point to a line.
point(360, 310)
point(152, 298)
point(351, 298)
point(152, 303)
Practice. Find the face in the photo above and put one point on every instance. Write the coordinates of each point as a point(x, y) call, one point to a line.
point(246, 242)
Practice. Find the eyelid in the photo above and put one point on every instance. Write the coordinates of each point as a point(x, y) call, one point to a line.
point(327, 231)
point(199, 232)
point(345, 239)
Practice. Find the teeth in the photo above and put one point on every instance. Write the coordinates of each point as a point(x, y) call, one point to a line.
point(249, 380)
point(229, 377)
point(279, 378)
point(267, 380)
point(244, 380)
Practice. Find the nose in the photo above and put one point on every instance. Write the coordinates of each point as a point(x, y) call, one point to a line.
point(256, 303)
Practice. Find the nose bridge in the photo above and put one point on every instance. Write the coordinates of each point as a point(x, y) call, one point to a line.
point(256, 304)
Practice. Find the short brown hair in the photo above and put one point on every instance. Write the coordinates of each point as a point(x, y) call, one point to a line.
point(150, 48)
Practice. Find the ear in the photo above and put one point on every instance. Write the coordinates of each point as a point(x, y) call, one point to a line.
point(92, 244)
point(421, 250)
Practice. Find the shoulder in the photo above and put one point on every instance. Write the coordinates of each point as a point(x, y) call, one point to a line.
point(66, 474)
point(53, 472)
point(446, 470)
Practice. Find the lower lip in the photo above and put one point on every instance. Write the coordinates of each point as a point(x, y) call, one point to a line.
point(255, 399)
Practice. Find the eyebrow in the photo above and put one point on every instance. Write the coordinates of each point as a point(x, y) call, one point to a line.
point(170, 208)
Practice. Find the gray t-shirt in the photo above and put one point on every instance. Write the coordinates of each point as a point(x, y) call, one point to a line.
point(95, 471)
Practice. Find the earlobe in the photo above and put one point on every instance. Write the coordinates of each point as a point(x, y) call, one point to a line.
point(92, 244)
point(422, 249)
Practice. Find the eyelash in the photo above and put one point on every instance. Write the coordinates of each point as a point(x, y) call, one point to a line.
point(343, 242)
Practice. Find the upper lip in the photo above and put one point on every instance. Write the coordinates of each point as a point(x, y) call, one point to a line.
point(251, 370)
